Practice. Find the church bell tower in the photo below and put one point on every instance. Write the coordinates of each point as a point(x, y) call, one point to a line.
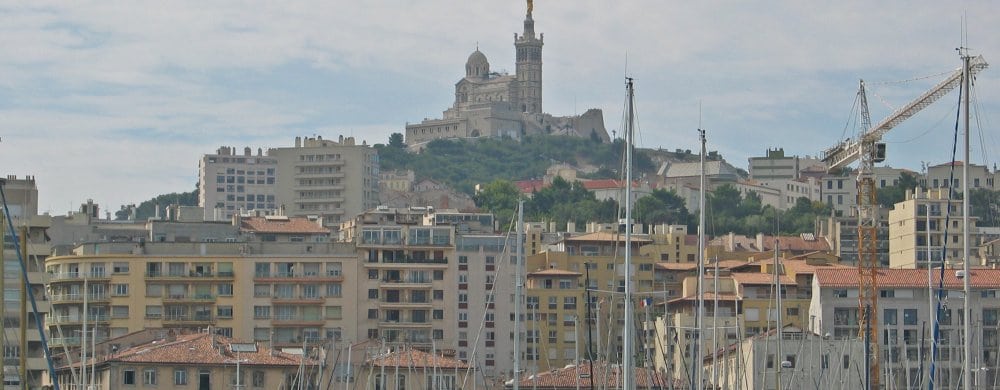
point(529, 66)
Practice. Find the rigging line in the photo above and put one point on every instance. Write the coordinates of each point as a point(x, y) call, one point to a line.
point(979, 127)
point(851, 118)
point(917, 78)
point(928, 130)
point(944, 246)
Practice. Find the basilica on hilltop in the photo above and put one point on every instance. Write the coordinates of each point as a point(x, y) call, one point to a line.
point(493, 104)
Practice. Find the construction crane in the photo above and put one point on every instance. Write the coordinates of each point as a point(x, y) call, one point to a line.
point(868, 148)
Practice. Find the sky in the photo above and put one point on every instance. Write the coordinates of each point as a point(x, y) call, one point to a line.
point(117, 101)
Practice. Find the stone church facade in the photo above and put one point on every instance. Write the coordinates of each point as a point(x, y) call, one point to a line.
point(492, 104)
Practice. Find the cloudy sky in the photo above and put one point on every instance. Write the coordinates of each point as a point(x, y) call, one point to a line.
point(116, 101)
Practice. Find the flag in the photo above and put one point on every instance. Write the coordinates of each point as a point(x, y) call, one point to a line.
point(645, 302)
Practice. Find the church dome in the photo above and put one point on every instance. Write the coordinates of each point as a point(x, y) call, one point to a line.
point(477, 65)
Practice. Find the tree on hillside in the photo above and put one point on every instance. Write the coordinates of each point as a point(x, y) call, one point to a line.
point(147, 209)
point(499, 197)
point(396, 140)
point(563, 201)
point(662, 207)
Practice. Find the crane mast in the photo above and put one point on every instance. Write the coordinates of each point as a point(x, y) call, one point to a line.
point(869, 150)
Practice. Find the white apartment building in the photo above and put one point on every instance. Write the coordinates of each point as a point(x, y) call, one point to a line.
point(927, 215)
point(905, 321)
point(230, 183)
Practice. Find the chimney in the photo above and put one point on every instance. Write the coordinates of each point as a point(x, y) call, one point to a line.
point(298, 142)
point(156, 211)
point(571, 227)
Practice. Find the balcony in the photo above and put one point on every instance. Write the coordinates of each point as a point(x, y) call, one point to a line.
point(404, 302)
point(412, 261)
point(319, 277)
point(406, 282)
point(403, 323)
point(294, 319)
point(194, 298)
point(297, 299)
point(75, 320)
point(64, 342)
point(77, 276)
point(78, 298)
point(188, 319)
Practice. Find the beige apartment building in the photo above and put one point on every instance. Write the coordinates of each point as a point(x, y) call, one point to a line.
point(928, 215)
point(944, 176)
point(22, 201)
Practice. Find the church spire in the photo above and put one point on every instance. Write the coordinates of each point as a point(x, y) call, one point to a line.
point(529, 23)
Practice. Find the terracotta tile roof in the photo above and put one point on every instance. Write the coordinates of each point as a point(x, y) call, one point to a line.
point(691, 239)
point(909, 278)
point(795, 243)
point(757, 278)
point(412, 358)
point(553, 272)
point(572, 376)
point(529, 186)
point(281, 225)
point(198, 349)
point(605, 236)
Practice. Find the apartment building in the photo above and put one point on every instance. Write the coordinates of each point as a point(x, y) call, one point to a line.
point(230, 183)
point(905, 321)
point(334, 180)
point(918, 227)
point(281, 293)
point(403, 368)
point(405, 270)
point(29, 234)
point(950, 175)
point(487, 271)
point(558, 281)
point(841, 233)
point(676, 330)
point(775, 165)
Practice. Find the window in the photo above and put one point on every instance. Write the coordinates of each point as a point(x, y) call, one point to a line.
point(224, 311)
point(121, 290)
point(180, 377)
point(909, 316)
point(887, 293)
point(840, 293)
point(120, 268)
point(889, 316)
point(261, 312)
point(154, 312)
point(257, 379)
point(334, 312)
point(128, 376)
point(438, 334)
point(438, 275)
point(119, 311)
point(373, 314)
point(225, 289)
point(373, 274)
point(149, 376)
point(372, 293)
point(438, 295)
point(438, 314)
point(334, 290)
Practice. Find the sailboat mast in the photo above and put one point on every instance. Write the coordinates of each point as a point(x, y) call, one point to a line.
point(517, 295)
point(696, 350)
point(967, 361)
point(627, 379)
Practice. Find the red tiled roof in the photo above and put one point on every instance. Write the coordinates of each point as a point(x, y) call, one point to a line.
point(725, 264)
point(909, 278)
point(413, 358)
point(529, 186)
point(691, 239)
point(198, 348)
point(281, 225)
point(572, 377)
point(554, 272)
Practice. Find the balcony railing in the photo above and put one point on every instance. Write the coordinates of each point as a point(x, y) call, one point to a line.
point(188, 318)
point(58, 298)
point(413, 260)
point(77, 276)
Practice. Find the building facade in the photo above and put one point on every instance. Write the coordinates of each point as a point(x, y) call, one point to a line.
point(230, 183)
point(929, 215)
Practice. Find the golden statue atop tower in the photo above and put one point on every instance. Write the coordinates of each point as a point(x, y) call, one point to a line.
point(531, 5)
